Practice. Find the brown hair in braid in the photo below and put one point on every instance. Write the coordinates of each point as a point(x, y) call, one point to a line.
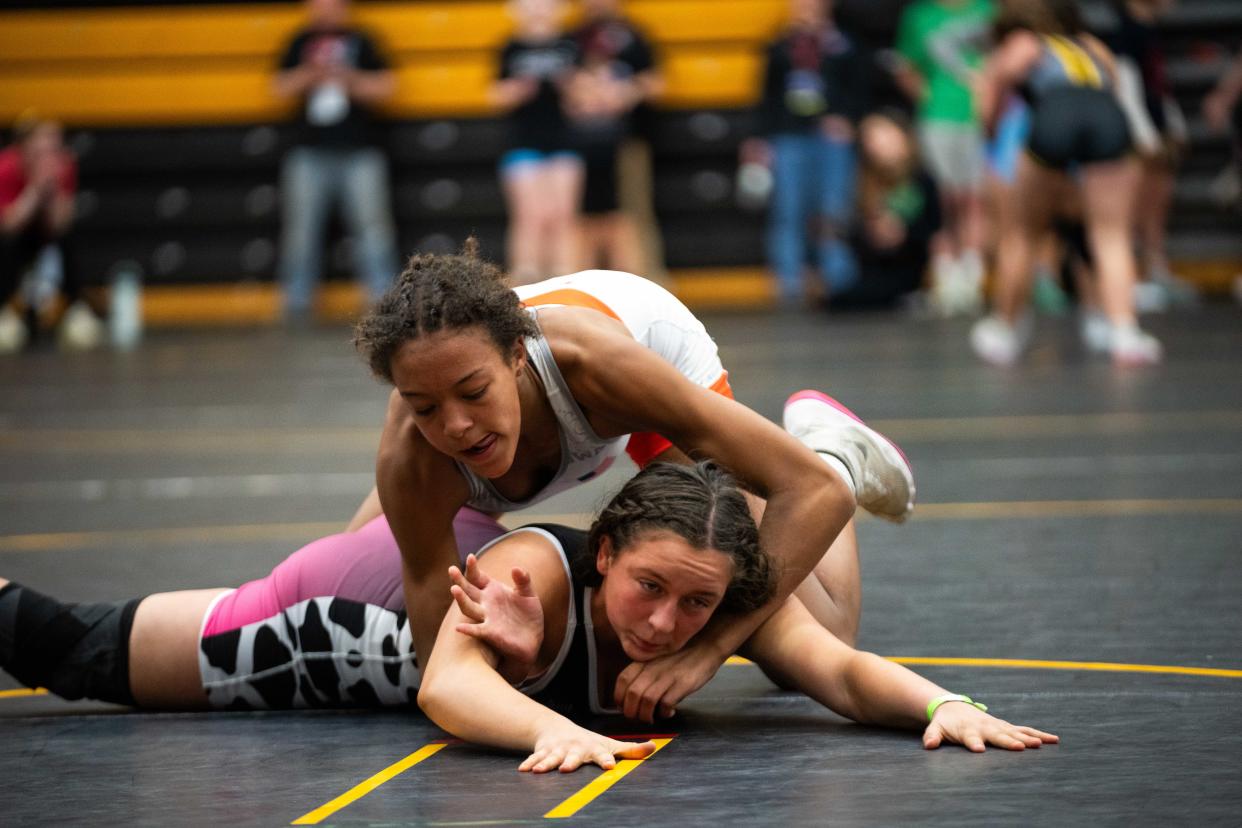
point(701, 504)
point(442, 292)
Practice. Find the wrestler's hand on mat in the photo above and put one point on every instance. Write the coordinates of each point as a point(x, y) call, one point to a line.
point(568, 747)
point(970, 727)
point(507, 619)
point(646, 688)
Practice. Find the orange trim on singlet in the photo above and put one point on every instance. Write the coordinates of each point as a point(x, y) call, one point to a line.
point(645, 446)
point(575, 298)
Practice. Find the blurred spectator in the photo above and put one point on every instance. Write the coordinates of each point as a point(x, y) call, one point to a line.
point(1005, 146)
point(1222, 108)
point(1160, 136)
point(38, 181)
point(940, 45)
point(898, 214)
point(338, 74)
point(1076, 124)
point(617, 74)
point(811, 101)
point(541, 173)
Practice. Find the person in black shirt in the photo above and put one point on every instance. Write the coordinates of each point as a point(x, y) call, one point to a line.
point(541, 172)
point(618, 74)
point(811, 100)
point(338, 74)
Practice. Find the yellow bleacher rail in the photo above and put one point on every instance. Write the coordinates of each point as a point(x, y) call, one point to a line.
point(180, 65)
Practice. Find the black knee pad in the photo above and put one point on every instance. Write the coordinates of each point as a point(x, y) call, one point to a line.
point(74, 650)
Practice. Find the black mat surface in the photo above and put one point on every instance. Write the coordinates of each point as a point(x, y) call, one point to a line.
point(1069, 512)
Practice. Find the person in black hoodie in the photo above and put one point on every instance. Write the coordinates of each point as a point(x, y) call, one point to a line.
point(811, 101)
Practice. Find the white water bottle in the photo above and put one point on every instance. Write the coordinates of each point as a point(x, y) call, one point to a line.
point(125, 306)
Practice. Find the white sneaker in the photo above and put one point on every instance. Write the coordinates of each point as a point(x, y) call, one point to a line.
point(1178, 291)
point(1131, 345)
point(80, 329)
point(1151, 297)
point(997, 342)
point(13, 333)
point(1096, 332)
point(883, 480)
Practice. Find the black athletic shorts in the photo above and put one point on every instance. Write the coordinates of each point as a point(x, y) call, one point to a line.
point(599, 194)
point(1077, 125)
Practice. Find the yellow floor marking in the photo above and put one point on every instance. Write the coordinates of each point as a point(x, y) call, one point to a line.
point(1076, 508)
point(1035, 664)
point(301, 532)
point(600, 784)
point(126, 441)
point(320, 439)
point(1054, 425)
point(22, 692)
point(49, 541)
point(1105, 666)
point(363, 788)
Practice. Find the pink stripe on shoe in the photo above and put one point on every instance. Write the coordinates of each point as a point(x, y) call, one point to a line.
point(820, 396)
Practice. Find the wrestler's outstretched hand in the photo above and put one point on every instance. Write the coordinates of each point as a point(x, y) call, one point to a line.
point(647, 688)
point(509, 619)
point(567, 747)
point(966, 725)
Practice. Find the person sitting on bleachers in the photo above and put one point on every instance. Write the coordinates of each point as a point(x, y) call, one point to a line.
point(38, 181)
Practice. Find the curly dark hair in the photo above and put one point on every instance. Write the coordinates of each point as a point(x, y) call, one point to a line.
point(701, 504)
point(437, 292)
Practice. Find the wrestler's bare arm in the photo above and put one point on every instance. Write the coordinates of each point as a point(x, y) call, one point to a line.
point(421, 491)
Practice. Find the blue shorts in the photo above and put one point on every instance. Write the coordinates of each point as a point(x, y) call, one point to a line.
point(1006, 146)
point(516, 159)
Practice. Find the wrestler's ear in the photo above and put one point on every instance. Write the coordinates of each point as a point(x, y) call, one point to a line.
point(603, 556)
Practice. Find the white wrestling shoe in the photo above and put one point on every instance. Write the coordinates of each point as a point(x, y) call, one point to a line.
point(883, 480)
point(13, 333)
point(1096, 331)
point(997, 342)
point(1132, 346)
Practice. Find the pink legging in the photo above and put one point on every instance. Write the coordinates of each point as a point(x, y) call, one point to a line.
point(362, 566)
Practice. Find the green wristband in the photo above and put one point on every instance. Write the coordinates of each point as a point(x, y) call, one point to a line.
point(948, 697)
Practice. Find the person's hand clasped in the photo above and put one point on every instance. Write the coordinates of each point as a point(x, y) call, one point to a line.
point(973, 729)
point(507, 619)
point(568, 747)
point(646, 688)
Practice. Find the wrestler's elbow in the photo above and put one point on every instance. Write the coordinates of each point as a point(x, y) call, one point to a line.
point(826, 492)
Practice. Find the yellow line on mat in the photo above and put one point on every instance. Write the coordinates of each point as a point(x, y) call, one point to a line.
point(363, 788)
point(1035, 664)
point(22, 692)
point(51, 541)
point(600, 784)
point(1103, 666)
point(997, 510)
point(335, 439)
point(1076, 508)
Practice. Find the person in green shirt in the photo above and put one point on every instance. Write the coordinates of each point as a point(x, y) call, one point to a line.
point(940, 46)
